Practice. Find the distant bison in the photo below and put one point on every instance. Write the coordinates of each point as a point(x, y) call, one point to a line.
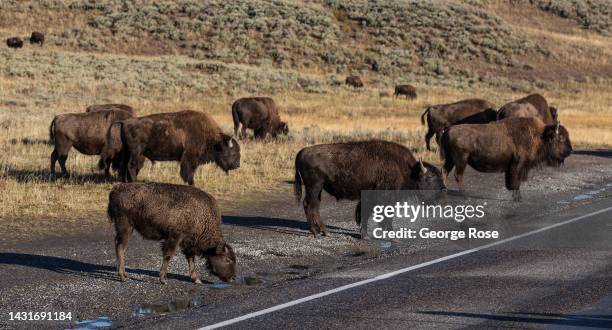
point(190, 137)
point(408, 90)
point(37, 38)
point(513, 146)
point(111, 106)
point(86, 132)
point(442, 116)
point(14, 42)
point(181, 216)
point(259, 114)
point(354, 81)
point(534, 105)
point(345, 169)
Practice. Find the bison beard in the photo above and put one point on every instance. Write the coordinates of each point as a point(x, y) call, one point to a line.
point(344, 169)
point(513, 146)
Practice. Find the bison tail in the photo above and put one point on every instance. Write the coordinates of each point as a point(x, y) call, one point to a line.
point(423, 116)
point(52, 131)
point(297, 182)
point(235, 116)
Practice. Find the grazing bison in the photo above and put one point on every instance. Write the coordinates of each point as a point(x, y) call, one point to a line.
point(181, 216)
point(37, 38)
point(442, 116)
point(86, 132)
point(112, 106)
point(513, 146)
point(354, 81)
point(14, 42)
point(534, 105)
point(259, 114)
point(345, 169)
point(191, 137)
point(408, 90)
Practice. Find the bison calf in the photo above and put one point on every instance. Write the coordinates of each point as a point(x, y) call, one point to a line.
point(259, 114)
point(37, 38)
point(86, 132)
point(180, 216)
point(354, 81)
point(513, 146)
point(14, 42)
point(345, 169)
point(406, 90)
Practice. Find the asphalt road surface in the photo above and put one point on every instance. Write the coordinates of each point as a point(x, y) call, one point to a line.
point(556, 273)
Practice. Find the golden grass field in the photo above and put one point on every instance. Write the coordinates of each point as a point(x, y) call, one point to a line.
point(39, 83)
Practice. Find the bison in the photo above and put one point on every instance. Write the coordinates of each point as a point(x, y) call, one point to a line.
point(534, 105)
point(37, 38)
point(14, 42)
point(259, 114)
point(181, 216)
point(407, 90)
point(111, 106)
point(513, 146)
point(345, 169)
point(354, 81)
point(442, 116)
point(86, 132)
point(190, 137)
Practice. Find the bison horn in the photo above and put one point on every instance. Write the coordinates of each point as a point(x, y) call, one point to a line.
point(229, 143)
point(557, 127)
point(423, 168)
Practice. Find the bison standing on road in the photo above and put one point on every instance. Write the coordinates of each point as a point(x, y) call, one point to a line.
point(191, 137)
point(181, 216)
point(534, 105)
point(111, 106)
point(345, 169)
point(37, 38)
point(513, 146)
point(259, 114)
point(14, 42)
point(86, 132)
point(442, 116)
point(354, 81)
point(408, 90)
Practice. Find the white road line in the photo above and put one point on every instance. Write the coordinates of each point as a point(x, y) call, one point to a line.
point(394, 273)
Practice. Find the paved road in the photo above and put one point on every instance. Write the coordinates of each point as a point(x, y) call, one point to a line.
point(558, 277)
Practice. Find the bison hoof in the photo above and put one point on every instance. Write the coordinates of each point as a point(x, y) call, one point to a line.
point(162, 281)
point(197, 281)
point(123, 278)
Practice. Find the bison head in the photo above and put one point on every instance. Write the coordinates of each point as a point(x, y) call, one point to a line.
point(227, 153)
point(221, 262)
point(557, 145)
point(282, 128)
point(427, 177)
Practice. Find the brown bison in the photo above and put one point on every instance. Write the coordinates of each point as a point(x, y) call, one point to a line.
point(354, 81)
point(37, 38)
point(181, 216)
point(14, 42)
point(345, 169)
point(513, 146)
point(86, 132)
point(112, 106)
point(442, 116)
point(407, 90)
point(259, 114)
point(534, 105)
point(190, 137)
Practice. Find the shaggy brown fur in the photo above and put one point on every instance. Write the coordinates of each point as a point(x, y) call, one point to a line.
point(259, 114)
point(86, 132)
point(14, 42)
point(37, 38)
point(180, 216)
point(112, 106)
point(354, 81)
point(442, 116)
point(191, 137)
point(344, 169)
point(534, 105)
point(408, 90)
point(513, 146)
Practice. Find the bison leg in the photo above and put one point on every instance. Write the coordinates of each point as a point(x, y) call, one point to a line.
point(311, 207)
point(124, 231)
point(513, 181)
point(447, 168)
point(188, 168)
point(62, 162)
point(54, 158)
point(168, 250)
point(134, 165)
point(459, 170)
point(428, 136)
point(192, 268)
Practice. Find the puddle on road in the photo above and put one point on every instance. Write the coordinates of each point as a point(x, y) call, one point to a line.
point(260, 278)
point(100, 322)
point(587, 195)
point(173, 306)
